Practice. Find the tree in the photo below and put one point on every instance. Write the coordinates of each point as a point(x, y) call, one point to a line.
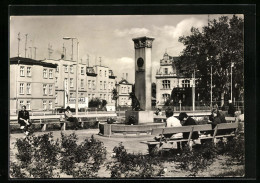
point(95, 102)
point(218, 45)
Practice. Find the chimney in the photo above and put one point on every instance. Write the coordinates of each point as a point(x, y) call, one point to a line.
point(62, 56)
point(126, 77)
point(123, 75)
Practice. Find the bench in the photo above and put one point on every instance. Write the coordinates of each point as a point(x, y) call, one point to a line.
point(56, 119)
point(190, 129)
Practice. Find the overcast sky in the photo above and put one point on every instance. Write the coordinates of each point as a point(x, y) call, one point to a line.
point(108, 37)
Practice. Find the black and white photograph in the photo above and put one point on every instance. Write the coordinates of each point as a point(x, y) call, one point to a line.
point(127, 96)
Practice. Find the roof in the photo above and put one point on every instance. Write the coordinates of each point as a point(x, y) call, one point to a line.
point(124, 81)
point(29, 61)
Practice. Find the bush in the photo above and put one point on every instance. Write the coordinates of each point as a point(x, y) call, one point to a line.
point(197, 159)
point(128, 165)
point(37, 157)
point(42, 157)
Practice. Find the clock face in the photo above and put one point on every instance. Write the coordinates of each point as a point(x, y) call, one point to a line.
point(140, 62)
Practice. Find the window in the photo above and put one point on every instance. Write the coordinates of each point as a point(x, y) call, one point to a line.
point(89, 84)
point(56, 81)
point(44, 73)
point(105, 96)
point(109, 86)
point(100, 95)
point(44, 89)
point(71, 94)
point(21, 104)
point(112, 85)
point(105, 73)
point(128, 89)
point(82, 83)
point(89, 95)
point(65, 68)
point(29, 73)
point(82, 70)
point(57, 69)
point(56, 98)
point(50, 74)
point(165, 70)
point(21, 70)
point(44, 105)
point(122, 89)
point(28, 105)
point(21, 89)
point(166, 84)
point(71, 68)
point(50, 104)
point(100, 72)
point(186, 83)
point(71, 82)
point(105, 83)
point(93, 95)
point(100, 85)
point(28, 88)
point(50, 89)
point(93, 85)
point(165, 96)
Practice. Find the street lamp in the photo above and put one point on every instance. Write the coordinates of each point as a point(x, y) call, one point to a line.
point(211, 87)
point(232, 65)
point(77, 101)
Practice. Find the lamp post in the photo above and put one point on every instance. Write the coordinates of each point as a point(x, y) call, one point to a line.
point(232, 65)
point(77, 100)
point(193, 93)
point(211, 87)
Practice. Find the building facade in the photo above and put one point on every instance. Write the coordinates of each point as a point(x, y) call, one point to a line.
point(124, 88)
point(49, 84)
point(65, 81)
point(169, 79)
point(32, 83)
point(100, 82)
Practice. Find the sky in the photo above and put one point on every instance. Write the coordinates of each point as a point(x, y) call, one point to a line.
point(108, 37)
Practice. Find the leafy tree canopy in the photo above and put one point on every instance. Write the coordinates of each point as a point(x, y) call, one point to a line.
point(220, 44)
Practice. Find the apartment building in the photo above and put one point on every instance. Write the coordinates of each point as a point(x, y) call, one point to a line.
point(32, 83)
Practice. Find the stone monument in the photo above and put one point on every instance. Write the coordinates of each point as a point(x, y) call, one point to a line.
point(143, 80)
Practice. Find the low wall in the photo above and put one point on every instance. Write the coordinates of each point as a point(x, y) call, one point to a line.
point(111, 129)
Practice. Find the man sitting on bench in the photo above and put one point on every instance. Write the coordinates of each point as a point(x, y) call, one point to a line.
point(69, 117)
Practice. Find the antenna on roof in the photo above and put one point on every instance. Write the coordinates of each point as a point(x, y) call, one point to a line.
point(50, 50)
point(64, 51)
point(19, 39)
point(35, 52)
point(25, 45)
point(31, 51)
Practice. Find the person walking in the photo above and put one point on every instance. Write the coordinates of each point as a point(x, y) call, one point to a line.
point(23, 120)
point(69, 117)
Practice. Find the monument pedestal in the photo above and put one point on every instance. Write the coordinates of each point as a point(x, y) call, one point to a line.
point(140, 116)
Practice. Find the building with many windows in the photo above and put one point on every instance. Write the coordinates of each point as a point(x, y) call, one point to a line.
point(169, 79)
point(32, 83)
point(124, 88)
point(100, 82)
point(65, 81)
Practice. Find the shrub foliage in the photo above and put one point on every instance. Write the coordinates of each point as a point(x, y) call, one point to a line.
point(127, 165)
point(43, 157)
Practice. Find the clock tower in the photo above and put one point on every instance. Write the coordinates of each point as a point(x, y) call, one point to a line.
point(143, 71)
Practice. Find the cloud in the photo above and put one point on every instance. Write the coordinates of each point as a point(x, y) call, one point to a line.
point(125, 60)
point(132, 31)
point(182, 28)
